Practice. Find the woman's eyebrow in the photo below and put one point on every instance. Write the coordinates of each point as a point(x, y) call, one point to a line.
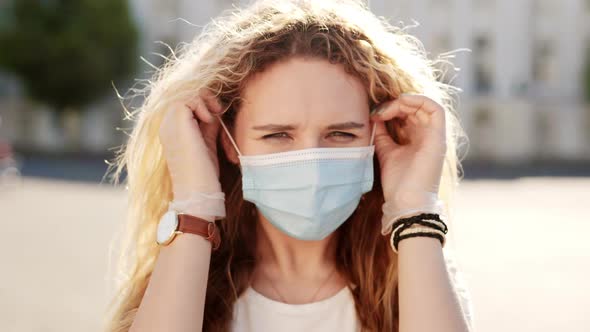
point(336, 126)
point(274, 127)
point(346, 125)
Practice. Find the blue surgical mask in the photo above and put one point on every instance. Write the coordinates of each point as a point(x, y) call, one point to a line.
point(308, 193)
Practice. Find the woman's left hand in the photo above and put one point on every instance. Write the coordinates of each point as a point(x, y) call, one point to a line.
point(411, 168)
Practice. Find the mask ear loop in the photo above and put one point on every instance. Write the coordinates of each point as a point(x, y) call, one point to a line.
point(373, 133)
point(229, 136)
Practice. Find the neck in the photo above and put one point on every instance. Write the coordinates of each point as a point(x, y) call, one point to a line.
point(292, 259)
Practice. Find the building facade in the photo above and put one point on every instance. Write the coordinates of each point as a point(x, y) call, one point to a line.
point(521, 65)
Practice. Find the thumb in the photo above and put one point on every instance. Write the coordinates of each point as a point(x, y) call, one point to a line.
point(384, 143)
point(210, 132)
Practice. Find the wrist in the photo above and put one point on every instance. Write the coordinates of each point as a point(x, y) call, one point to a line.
point(198, 215)
point(408, 200)
point(395, 211)
point(206, 205)
point(186, 192)
point(421, 225)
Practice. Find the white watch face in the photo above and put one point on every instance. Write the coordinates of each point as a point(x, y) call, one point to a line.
point(166, 227)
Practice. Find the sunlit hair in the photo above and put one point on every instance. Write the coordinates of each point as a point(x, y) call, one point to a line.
point(229, 50)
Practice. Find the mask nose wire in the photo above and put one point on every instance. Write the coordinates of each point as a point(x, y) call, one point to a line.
point(229, 135)
point(373, 133)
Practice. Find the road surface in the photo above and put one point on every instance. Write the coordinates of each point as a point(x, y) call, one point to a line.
point(522, 245)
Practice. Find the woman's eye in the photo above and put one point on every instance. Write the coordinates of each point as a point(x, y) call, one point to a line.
point(337, 134)
point(276, 135)
point(342, 134)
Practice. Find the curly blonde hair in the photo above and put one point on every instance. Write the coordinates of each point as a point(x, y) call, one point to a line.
point(228, 51)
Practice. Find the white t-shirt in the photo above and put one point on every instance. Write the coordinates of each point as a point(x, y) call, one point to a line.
point(253, 312)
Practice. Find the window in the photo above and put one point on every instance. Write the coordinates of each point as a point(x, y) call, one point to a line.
point(483, 65)
point(544, 62)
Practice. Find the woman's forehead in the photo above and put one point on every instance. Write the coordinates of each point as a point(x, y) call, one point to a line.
point(304, 88)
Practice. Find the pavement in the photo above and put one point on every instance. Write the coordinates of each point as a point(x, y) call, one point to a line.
point(521, 244)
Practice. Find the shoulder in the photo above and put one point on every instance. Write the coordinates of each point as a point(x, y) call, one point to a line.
point(457, 278)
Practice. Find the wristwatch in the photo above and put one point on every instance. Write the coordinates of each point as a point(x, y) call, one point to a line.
point(173, 223)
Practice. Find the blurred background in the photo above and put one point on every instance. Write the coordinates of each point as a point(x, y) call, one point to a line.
point(522, 209)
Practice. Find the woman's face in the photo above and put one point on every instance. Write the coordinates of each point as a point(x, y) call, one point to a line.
point(301, 104)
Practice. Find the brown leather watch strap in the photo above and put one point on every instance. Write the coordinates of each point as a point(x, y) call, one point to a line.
point(195, 225)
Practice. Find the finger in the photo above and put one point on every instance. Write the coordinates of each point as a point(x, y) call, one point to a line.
point(416, 116)
point(210, 132)
point(397, 109)
point(383, 141)
point(388, 110)
point(198, 106)
point(212, 102)
point(419, 101)
point(410, 103)
point(429, 110)
point(419, 109)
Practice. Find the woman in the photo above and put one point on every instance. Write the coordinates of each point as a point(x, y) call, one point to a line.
point(262, 126)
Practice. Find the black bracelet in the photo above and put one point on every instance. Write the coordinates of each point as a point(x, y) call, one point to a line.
point(421, 220)
point(397, 235)
point(418, 219)
point(423, 223)
point(406, 236)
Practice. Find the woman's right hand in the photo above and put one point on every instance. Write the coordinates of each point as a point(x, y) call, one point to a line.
point(188, 134)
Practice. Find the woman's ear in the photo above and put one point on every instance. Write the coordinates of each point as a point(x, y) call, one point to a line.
point(228, 148)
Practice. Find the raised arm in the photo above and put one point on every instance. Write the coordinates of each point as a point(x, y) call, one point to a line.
point(428, 300)
point(175, 297)
point(411, 172)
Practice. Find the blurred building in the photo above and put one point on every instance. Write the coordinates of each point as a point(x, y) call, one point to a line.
point(521, 75)
point(521, 65)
